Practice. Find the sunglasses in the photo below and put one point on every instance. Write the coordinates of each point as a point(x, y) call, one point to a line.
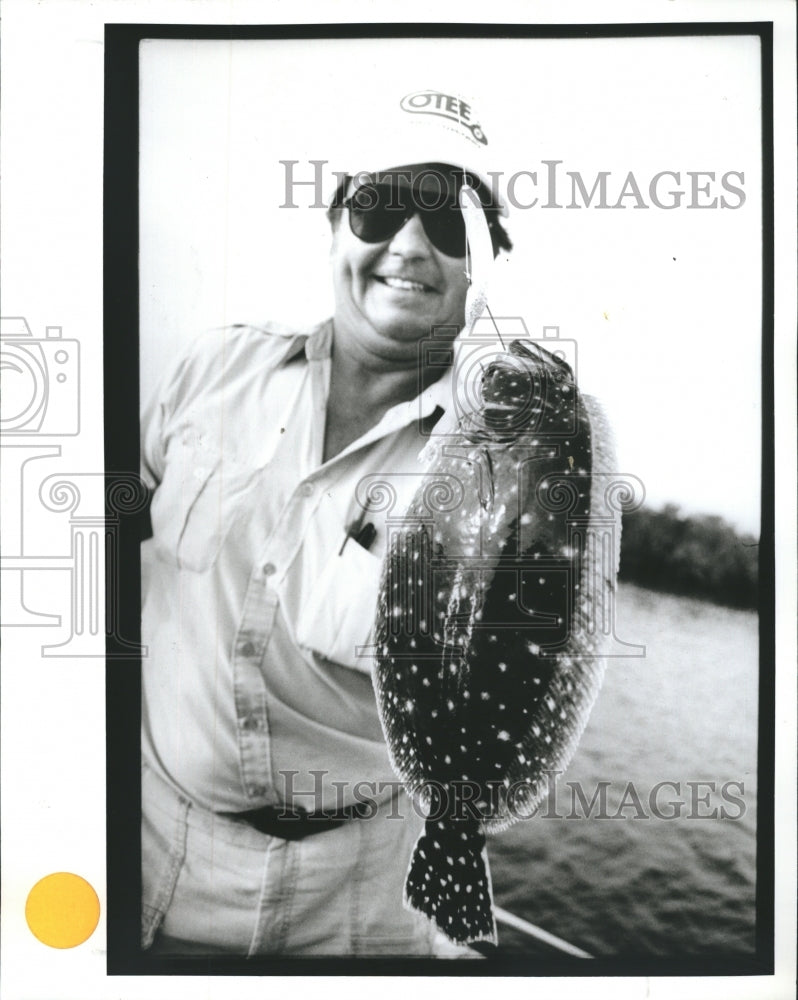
point(378, 211)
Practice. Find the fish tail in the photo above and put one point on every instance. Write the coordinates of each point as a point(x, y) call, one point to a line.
point(449, 881)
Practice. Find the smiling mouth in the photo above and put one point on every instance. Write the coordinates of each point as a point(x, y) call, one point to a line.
point(403, 284)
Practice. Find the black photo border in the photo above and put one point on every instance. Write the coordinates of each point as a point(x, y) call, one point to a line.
point(121, 424)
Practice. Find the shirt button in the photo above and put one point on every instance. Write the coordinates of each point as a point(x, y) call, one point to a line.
point(306, 489)
point(250, 722)
point(246, 649)
point(256, 791)
point(269, 569)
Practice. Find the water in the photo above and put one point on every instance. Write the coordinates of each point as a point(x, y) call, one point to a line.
point(642, 884)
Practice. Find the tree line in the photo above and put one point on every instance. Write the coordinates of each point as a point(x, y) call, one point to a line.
point(697, 556)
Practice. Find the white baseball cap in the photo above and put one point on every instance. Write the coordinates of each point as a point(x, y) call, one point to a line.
point(427, 126)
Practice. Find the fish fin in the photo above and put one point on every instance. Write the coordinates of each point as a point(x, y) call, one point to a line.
point(487, 484)
point(449, 882)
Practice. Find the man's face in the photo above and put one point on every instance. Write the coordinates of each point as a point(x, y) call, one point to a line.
point(396, 290)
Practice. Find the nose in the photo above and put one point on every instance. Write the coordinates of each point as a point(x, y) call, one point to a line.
point(411, 240)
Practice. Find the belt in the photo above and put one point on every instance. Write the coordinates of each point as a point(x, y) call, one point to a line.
point(293, 824)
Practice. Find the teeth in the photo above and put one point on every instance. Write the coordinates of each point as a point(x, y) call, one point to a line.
point(415, 286)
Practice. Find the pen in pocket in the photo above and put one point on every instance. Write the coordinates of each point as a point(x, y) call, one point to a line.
point(363, 534)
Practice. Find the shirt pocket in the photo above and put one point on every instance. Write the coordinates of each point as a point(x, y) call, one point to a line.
point(195, 506)
point(338, 619)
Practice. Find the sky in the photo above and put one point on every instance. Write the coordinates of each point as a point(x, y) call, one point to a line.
point(663, 305)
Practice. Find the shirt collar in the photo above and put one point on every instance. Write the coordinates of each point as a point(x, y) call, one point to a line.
point(317, 346)
point(436, 396)
point(315, 343)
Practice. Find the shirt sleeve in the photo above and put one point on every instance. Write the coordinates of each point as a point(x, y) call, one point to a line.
point(170, 394)
point(206, 370)
point(152, 452)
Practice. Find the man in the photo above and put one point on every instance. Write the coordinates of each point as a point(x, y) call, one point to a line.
point(260, 729)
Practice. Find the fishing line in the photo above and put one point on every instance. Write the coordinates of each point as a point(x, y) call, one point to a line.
point(496, 328)
point(465, 237)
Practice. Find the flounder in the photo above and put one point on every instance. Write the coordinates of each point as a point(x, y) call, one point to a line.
point(487, 652)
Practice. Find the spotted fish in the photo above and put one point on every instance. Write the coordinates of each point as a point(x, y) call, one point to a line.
point(487, 652)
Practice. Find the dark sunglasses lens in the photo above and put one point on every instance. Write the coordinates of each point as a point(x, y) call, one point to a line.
point(378, 211)
point(375, 214)
point(445, 229)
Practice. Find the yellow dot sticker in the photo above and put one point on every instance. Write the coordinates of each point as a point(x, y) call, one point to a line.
point(62, 910)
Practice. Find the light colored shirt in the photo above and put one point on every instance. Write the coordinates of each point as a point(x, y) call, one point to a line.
point(257, 686)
